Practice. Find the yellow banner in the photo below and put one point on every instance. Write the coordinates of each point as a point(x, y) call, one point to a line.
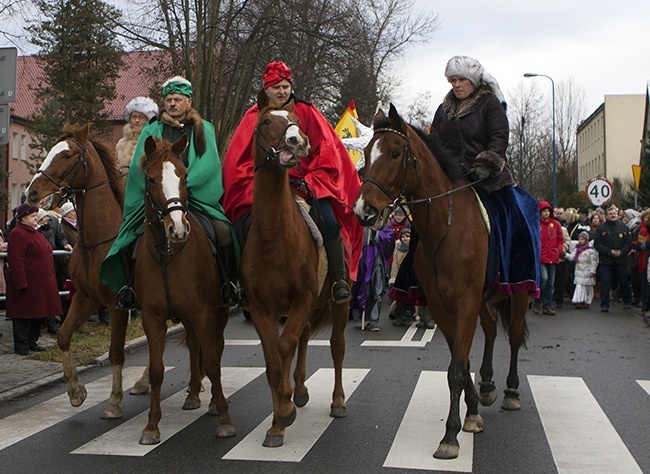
point(345, 129)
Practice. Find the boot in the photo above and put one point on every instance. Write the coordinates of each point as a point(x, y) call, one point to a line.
point(336, 270)
point(426, 320)
point(228, 268)
point(126, 296)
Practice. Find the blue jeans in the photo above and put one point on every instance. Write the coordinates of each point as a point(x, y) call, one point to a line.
point(618, 271)
point(547, 283)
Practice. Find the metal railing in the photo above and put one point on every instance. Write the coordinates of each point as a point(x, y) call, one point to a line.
point(55, 252)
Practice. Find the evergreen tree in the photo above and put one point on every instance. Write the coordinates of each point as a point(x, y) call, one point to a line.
point(644, 181)
point(81, 58)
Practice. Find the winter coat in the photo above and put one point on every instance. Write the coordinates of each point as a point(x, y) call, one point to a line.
point(586, 266)
point(552, 241)
point(70, 231)
point(476, 124)
point(642, 246)
point(612, 235)
point(126, 146)
point(32, 292)
point(3, 248)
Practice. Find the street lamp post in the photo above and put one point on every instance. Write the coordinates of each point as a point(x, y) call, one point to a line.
point(532, 74)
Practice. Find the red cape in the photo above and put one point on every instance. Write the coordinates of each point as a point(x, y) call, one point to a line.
point(328, 170)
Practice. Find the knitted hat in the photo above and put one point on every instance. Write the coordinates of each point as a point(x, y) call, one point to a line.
point(584, 234)
point(471, 69)
point(275, 72)
point(144, 105)
point(25, 210)
point(41, 214)
point(177, 85)
point(66, 209)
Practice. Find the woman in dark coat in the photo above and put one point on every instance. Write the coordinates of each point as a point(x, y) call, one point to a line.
point(32, 293)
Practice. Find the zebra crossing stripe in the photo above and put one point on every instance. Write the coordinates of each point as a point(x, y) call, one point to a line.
point(123, 440)
point(17, 427)
point(579, 433)
point(406, 341)
point(423, 426)
point(311, 422)
point(645, 385)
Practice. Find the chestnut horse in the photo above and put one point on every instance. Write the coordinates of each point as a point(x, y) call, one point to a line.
point(85, 170)
point(176, 276)
point(280, 272)
point(450, 261)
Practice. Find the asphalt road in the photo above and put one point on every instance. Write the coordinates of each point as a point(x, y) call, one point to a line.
point(585, 389)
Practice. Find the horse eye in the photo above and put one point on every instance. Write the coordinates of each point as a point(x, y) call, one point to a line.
point(267, 121)
point(151, 180)
point(395, 154)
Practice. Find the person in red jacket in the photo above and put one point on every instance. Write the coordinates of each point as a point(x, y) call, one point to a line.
point(552, 249)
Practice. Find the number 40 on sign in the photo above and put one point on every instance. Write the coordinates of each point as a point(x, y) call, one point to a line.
point(599, 191)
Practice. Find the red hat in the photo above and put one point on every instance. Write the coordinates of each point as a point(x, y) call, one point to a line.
point(275, 72)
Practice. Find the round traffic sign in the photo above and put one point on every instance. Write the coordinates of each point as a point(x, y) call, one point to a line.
point(599, 191)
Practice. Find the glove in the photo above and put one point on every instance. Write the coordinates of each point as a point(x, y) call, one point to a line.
point(488, 164)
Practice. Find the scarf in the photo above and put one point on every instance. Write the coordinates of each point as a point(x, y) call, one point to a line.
point(579, 250)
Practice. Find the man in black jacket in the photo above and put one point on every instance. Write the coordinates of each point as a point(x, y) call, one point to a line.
point(613, 242)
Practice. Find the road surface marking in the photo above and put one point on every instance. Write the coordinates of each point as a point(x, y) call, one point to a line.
point(645, 384)
point(406, 341)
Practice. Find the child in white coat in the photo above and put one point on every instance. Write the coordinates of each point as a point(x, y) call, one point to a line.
point(586, 260)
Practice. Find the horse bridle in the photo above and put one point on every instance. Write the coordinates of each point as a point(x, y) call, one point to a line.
point(272, 152)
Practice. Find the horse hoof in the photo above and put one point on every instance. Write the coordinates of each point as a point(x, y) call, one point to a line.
point(488, 398)
point(77, 396)
point(112, 412)
point(302, 399)
point(473, 424)
point(273, 441)
point(139, 389)
point(226, 431)
point(191, 404)
point(213, 410)
point(511, 404)
point(446, 451)
point(338, 411)
point(287, 420)
point(149, 438)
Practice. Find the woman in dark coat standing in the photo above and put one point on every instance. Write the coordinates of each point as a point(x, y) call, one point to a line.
point(32, 293)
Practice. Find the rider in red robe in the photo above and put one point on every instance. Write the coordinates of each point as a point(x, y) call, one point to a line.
point(328, 172)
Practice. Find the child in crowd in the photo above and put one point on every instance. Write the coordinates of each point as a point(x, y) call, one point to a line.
point(585, 258)
point(401, 247)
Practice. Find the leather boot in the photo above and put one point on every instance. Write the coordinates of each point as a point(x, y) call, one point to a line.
point(126, 295)
point(336, 270)
point(228, 268)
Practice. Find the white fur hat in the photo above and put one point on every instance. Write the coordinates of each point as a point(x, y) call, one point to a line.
point(470, 68)
point(66, 209)
point(41, 214)
point(144, 105)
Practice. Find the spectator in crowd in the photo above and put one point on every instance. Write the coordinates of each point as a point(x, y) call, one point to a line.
point(562, 270)
point(585, 258)
point(613, 243)
point(3, 248)
point(641, 252)
point(32, 293)
point(552, 241)
point(69, 223)
point(594, 222)
point(137, 113)
point(632, 219)
point(401, 248)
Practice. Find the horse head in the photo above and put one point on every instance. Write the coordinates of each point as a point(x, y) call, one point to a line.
point(278, 138)
point(166, 187)
point(390, 169)
point(64, 167)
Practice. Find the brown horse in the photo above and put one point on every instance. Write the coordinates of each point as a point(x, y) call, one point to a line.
point(84, 170)
point(450, 260)
point(280, 272)
point(176, 276)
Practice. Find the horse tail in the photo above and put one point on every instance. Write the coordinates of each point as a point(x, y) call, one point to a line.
point(503, 312)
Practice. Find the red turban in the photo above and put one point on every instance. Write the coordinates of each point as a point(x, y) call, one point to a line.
point(276, 72)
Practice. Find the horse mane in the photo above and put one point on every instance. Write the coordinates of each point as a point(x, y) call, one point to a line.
point(107, 157)
point(449, 163)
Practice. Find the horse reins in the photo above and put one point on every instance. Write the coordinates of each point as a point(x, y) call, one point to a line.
point(272, 152)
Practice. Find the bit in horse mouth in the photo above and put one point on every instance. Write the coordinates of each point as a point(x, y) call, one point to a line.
point(288, 158)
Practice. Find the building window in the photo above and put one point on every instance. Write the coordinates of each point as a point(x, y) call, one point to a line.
point(15, 198)
point(15, 146)
point(23, 147)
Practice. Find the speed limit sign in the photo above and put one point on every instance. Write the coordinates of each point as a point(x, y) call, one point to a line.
point(599, 191)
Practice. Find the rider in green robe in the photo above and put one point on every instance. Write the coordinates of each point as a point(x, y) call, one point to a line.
point(204, 186)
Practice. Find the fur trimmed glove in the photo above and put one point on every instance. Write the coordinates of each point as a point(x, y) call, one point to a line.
point(488, 164)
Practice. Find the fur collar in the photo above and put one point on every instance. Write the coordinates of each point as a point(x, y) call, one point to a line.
point(194, 119)
point(456, 109)
point(131, 133)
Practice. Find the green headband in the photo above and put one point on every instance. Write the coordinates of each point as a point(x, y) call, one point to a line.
point(181, 88)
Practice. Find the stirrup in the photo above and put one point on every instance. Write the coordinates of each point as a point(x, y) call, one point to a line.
point(229, 295)
point(126, 298)
point(341, 292)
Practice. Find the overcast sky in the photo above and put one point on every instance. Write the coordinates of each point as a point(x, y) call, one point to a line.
point(602, 45)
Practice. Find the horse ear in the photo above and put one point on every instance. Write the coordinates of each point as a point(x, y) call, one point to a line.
point(397, 121)
point(179, 146)
point(262, 99)
point(378, 116)
point(149, 146)
point(83, 132)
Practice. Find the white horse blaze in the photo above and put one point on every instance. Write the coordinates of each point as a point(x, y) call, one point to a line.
point(56, 149)
point(171, 184)
point(293, 131)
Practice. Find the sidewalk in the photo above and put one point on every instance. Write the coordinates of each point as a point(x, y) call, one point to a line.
point(20, 375)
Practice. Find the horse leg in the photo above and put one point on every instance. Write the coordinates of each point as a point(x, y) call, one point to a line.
point(119, 321)
point(141, 386)
point(78, 313)
point(340, 314)
point(212, 344)
point(473, 421)
point(155, 330)
point(193, 400)
point(517, 336)
point(300, 392)
point(488, 391)
point(267, 329)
